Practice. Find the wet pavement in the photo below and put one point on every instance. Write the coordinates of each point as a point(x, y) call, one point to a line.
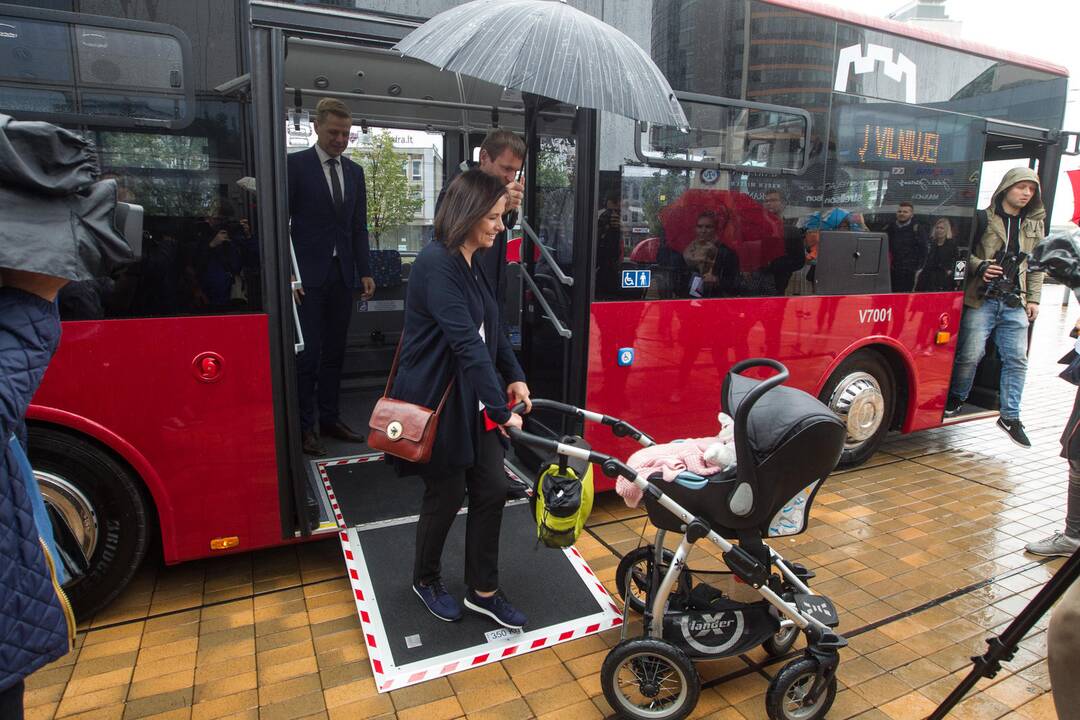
point(921, 549)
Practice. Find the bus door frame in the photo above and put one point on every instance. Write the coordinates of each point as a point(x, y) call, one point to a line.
point(1042, 151)
point(586, 173)
point(269, 24)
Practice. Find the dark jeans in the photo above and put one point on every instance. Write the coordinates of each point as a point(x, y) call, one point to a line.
point(11, 702)
point(444, 491)
point(324, 318)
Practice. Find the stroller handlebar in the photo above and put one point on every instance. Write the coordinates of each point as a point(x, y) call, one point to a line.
point(620, 428)
point(612, 467)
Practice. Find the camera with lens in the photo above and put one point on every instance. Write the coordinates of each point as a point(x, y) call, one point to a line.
point(1005, 286)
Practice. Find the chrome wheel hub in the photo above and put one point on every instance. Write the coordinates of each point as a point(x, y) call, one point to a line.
point(859, 402)
point(72, 508)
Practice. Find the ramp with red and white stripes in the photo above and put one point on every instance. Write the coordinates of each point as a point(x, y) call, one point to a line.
point(556, 590)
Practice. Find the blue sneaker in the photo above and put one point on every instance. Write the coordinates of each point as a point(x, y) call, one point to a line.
point(439, 603)
point(496, 607)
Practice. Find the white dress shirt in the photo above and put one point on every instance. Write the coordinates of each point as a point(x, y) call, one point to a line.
point(323, 157)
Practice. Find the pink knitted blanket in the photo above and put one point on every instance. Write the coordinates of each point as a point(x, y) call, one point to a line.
point(670, 459)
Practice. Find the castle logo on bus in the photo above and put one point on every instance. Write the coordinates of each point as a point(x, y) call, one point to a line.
point(875, 315)
point(900, 70)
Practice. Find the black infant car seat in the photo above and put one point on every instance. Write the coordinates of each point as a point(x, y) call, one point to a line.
point(786, 444)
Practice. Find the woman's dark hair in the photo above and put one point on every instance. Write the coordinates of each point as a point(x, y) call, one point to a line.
point(468, 199)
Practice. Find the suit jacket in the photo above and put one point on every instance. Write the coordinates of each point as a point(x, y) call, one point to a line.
point(447, 302)
point(317, 229)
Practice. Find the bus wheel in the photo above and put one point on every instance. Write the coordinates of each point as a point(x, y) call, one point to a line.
point(99, 516)
point(862, 393)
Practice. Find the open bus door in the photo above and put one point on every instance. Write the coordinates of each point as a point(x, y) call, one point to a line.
point(558, 229)
point(301, 55)
point(1007, 146)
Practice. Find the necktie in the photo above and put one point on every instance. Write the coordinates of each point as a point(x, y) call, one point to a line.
point(335, 184)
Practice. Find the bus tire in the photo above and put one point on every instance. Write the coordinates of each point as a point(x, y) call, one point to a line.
point(862, 391)
point(100, 515)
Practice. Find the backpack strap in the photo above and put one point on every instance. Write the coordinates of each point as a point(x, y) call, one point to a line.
point(982, 221)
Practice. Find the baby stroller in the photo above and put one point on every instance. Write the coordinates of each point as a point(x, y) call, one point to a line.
point(786, 444)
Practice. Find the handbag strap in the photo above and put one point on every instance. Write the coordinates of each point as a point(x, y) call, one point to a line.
point(393, 374)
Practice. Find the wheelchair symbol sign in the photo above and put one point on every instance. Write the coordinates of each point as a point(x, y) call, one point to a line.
point(626, 357)
point(636, 278)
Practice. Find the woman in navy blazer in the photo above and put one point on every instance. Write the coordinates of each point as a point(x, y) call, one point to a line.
point(452, 332)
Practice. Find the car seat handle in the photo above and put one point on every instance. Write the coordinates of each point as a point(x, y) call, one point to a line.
point(743, 411)
point(743, 497)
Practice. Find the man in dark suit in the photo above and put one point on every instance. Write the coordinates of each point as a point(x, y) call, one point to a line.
point(328, 210)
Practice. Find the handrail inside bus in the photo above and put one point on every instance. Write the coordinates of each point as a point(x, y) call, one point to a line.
point(296, 284)
point(546, 253)
point(548, 312)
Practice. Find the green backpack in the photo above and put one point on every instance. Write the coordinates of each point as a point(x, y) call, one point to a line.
point(563, 499)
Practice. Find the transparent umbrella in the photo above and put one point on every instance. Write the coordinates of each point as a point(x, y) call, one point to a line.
point(547, 48)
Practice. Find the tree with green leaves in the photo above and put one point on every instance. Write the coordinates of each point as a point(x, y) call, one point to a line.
point(657, 192)
point(391, 201)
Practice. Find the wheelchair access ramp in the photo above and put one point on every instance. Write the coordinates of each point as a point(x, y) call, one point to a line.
point(375, 511)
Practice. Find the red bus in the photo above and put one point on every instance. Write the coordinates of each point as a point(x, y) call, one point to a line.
point(170, 412)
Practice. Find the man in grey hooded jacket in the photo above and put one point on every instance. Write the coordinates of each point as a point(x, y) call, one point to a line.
point(1001, 305)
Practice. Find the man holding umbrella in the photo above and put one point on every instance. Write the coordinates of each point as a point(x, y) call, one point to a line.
point(502, 155)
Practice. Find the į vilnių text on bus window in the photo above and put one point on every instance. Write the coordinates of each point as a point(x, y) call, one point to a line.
point(886, 142)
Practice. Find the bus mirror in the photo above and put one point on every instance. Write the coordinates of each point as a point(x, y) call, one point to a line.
point(730, 134)
point(78, 69)
point(1070, 143)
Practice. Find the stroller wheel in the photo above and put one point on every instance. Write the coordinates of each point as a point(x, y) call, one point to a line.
point(636, 567)
point(781, 642)
point(648, 679)
point(789, 694)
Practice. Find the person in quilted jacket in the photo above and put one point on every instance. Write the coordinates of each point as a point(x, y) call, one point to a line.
point(36, 626)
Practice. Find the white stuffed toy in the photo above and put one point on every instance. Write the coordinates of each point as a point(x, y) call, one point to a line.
point(722, 452)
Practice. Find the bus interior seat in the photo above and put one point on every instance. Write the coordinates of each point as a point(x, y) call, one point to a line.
point(852, 263)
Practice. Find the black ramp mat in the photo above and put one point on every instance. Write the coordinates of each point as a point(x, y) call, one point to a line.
point(371, 491)
point(540, 581)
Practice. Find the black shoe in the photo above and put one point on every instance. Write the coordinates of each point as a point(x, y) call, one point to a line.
point(310, 442)
point(438, 601)
point(1015, 428)
point(953, 407)
point(496, 607)
point(341, 431)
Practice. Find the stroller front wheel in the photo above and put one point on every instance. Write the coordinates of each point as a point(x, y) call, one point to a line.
point(648, 679)
point(788, 697)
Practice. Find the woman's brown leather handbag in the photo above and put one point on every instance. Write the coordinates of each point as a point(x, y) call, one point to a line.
point(403, 429)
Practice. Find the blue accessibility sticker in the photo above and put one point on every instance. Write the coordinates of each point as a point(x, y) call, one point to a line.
point(636, 278)
point(626, 357)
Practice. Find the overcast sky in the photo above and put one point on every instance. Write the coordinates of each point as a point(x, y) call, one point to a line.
point(1046, 29)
